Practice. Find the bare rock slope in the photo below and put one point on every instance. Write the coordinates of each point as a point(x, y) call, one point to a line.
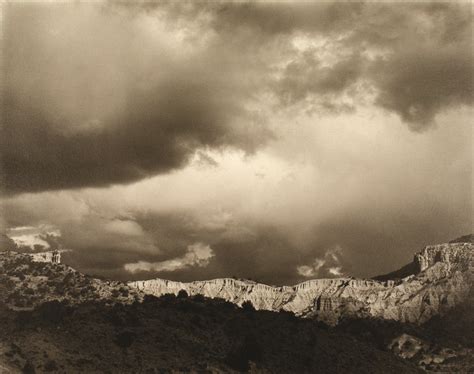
point(441, 278)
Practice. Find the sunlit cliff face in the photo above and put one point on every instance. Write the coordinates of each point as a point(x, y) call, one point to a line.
point(278, 142)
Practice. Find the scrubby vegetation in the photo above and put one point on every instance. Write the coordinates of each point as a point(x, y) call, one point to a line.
point(24, 284)
point(184, 334)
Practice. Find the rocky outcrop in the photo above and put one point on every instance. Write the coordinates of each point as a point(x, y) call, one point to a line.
point(48, 256)
point(455, 254)
point(431, 357)
point(443, 278)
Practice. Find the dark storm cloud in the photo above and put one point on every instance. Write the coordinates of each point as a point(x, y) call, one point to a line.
point(306, 76)
point(105, 106)
point(267, 19)
point(418, 84)
point(95, 95)
point(155, 135)
point(272, 254)
point(426, 47)
point(377, 228)
point(245, 250)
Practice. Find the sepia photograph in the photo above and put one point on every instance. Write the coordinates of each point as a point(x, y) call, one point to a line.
point(266, 187)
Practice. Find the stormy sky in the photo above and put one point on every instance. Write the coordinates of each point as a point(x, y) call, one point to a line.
point(273, 141)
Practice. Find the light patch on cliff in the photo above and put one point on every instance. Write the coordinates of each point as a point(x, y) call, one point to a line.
point(197, 254)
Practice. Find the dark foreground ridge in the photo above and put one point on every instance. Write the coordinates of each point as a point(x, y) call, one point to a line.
point(182, 335)
point(55, 319)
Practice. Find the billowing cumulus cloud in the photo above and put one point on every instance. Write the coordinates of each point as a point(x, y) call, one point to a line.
point(31, 238)
point(328, 265)
point(197, 254)
point(336, 271)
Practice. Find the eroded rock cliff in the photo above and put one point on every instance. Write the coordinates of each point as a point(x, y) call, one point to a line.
point(442, 278)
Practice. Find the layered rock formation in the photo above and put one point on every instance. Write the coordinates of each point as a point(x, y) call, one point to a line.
point(442, 278)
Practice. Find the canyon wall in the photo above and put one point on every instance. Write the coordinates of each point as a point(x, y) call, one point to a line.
point(443, 279)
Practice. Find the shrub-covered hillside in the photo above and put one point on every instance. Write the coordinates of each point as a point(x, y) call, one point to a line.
point(181, 335)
